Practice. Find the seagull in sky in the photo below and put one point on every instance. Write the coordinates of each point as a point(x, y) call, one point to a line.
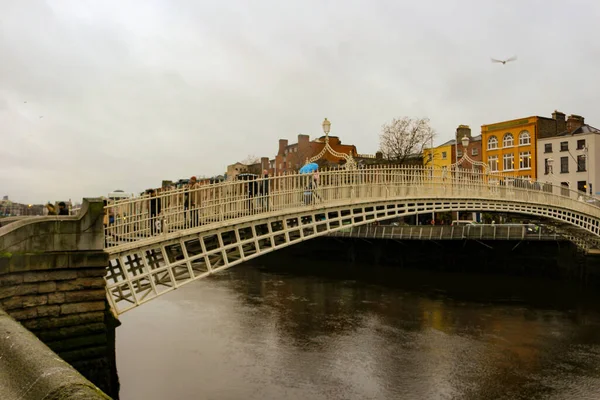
point(504, 61)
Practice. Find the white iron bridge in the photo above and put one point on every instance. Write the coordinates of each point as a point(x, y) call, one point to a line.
point(162, 241)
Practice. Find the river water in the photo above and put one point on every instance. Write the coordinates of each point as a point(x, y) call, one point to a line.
point(335, 332)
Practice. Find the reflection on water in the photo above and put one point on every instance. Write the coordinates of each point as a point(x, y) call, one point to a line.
point(253, 333)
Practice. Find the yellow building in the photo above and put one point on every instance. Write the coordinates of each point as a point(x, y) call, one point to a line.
point(511, 146)
point(443, 155)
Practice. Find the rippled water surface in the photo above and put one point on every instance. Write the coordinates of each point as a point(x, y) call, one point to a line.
point(253, 333)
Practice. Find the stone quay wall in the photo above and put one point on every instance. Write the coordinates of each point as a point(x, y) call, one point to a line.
point(30, 370)
point(52, 282)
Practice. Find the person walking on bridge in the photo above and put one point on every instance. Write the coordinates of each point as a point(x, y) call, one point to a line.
point(264, 190)
point(154, 207)
point(191, 202)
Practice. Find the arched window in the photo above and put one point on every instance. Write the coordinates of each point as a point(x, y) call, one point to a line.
point(492, 143)
point(508, 140)
point(524, 138)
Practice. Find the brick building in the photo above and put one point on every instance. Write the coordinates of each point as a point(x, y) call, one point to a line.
point(474, 147)
point(291, 157)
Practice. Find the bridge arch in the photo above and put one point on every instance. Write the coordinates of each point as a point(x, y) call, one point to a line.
point(144, 269)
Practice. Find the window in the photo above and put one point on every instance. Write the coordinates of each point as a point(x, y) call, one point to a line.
point(492, 143)
point(581, 186)
point(508, 162)
point(508, 140)
point(547, 167)
point(493, 163)
point(525, 160)
point(444, 155)
point(548, 148)
point(459, 153)
point(564, 188)
point(564, 165)
point(581, 163)
point(524, 138)
point(430, 156)
point(474, 151)
point(581, 144)
point(564, 146)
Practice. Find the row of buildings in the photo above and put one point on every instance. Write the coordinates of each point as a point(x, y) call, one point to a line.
point(9, 208)
point(559, 150)
point(291, 157)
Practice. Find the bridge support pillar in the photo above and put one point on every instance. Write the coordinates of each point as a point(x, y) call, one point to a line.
point(52, 281)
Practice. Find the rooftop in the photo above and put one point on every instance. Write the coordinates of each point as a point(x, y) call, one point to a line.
point(580, 130)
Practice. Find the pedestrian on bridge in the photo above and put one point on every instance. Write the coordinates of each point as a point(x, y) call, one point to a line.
point(264, 190)
point(191, 202)
point(154, 207)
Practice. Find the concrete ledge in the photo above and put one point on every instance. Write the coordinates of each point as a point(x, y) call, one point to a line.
point(30, 370)
point(55, 233)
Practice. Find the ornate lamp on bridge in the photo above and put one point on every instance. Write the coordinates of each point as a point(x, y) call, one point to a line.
point(350, 162)
point(466, 159)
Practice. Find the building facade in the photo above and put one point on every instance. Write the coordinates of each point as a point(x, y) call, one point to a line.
point(570, 158)
point(291, 157)
point(451, 152)
point(473, 149)
point(511, 146)
point(441, 156)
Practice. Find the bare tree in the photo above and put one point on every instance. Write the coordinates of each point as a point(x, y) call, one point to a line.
point(250, 159)
point(405, 137)
point(252, 164)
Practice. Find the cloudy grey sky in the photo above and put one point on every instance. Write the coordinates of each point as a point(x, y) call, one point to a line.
point(133, 92)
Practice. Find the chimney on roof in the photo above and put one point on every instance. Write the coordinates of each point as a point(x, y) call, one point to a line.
point(574, 122)
point(282, 145)
point(561, 124)
point(462, 131)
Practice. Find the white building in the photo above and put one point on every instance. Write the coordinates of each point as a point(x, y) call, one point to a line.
point(571, 159)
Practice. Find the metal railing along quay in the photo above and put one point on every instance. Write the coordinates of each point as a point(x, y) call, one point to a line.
point(473, 232)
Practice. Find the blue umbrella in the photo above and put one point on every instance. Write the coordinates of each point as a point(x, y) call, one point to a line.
point(308, 168)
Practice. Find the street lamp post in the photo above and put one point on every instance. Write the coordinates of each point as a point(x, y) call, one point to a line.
point(465, 158)
point(350, 162)
point(465, 144)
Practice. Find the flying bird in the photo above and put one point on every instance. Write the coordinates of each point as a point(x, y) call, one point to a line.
point(504, 61)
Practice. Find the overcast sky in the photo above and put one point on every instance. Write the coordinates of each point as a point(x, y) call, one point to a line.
point(104, 95)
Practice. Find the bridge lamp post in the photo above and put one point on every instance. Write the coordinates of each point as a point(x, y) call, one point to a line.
point(350, 162)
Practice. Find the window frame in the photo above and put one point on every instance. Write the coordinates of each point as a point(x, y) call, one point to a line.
point(525, 155)
point(580, 158)
point(564, 170)
point(508, 137)
point(524, 135)
point(492, 140)
point(489, 160)
point(505, 158)
point(565, 147)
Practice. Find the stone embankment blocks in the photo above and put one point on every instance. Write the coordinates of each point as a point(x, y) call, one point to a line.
point(30, 370)
point(52, 282)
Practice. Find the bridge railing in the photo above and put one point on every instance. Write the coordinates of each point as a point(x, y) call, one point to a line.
point(187, 208)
